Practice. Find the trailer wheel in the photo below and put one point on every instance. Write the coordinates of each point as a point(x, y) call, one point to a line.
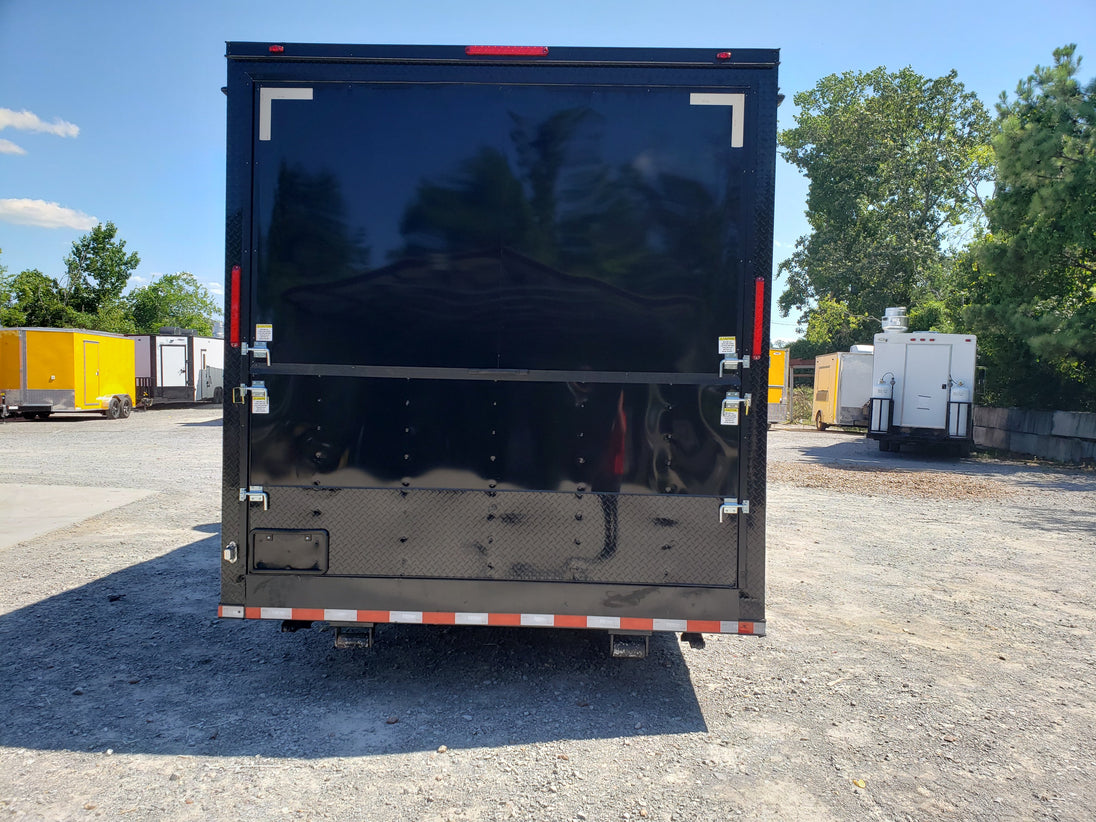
point(114, 410)
point(29, 415)
point(884, 445)
point(964, 449)
point(43, 415)
point(821, 426)
point(218, 395)
point(127, 408)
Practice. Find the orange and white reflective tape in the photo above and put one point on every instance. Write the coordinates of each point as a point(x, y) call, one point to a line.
point(695, 626)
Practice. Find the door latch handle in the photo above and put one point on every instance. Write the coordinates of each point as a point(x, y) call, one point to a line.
point(255, 493)
point(729, 506)
point(257, 350)
point(733, 362)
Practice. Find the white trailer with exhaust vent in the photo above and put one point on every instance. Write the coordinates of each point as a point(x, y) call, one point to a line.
point(923, 390)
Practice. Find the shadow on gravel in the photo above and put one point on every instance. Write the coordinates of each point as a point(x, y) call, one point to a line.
point(861, 453)
point(217, 423)
point(137, 662)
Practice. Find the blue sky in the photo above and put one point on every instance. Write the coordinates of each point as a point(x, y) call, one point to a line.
point(112, 110)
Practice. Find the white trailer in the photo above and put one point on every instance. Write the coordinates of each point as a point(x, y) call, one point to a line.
point(923, 390)
point(179, 367)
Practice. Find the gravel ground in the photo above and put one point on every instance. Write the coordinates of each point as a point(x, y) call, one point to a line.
point(930, 655)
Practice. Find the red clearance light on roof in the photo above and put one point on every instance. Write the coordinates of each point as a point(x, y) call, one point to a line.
point(507, 51)
point(277, 49)
point(723, 55)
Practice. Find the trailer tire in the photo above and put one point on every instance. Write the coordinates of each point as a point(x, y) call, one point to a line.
point(821, 426)
point(218, 395)
point(127, 407)
point(43, 415)
point(963, 449)
point(28, 415)
point(114, 410)
point(884, 445)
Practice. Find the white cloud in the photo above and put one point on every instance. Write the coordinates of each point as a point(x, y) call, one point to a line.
point(43, 214)
point(8, 147)
point(216, 289)
point(29, 121)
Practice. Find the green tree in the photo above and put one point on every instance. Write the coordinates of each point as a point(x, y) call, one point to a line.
point(1032, 290)
point(5, 294)
point(177, 300)
point(894, 161)
point(32, 299)
point(98, 270)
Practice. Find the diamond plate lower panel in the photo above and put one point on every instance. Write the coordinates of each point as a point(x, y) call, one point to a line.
point(514, 535)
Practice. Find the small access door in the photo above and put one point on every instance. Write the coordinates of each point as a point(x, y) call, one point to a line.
point(925, 395)
point(91, 373)
point(172, 366)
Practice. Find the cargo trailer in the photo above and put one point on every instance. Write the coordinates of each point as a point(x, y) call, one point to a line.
point(48, 370)
point(842, 388)
point(496, 317)
point(180, 366)
point(780, 386)
point(922, 393)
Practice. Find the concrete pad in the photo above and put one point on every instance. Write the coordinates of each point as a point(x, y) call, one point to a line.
point(28, 511)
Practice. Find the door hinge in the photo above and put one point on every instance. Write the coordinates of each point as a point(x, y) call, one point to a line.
point(729, 506)
point(255, 493)
point(257, 350)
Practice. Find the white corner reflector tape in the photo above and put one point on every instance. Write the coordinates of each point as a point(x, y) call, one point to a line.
point(267, 95)
point(737, 102)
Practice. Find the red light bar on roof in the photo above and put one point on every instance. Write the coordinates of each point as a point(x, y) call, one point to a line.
point(507, 51)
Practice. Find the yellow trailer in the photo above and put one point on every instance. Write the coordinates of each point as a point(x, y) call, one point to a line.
point(842, 388)
point(43, 370)
point(780, 386)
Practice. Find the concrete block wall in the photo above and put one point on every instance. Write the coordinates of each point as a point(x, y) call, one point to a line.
point(1063, 436)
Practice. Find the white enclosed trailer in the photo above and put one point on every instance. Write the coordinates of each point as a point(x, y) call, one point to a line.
point(179, 367)
point(923, 389)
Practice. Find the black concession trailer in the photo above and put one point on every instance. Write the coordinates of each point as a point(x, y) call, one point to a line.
point(496, 316)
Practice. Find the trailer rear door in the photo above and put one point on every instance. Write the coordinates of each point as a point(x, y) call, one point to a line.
point(496, 302)
point(925, 395)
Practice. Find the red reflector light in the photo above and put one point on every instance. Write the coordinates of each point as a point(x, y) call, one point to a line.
point(507, 51)
point(277, 49)
point(234, 308)
point(723, 55)
point(759, 317)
